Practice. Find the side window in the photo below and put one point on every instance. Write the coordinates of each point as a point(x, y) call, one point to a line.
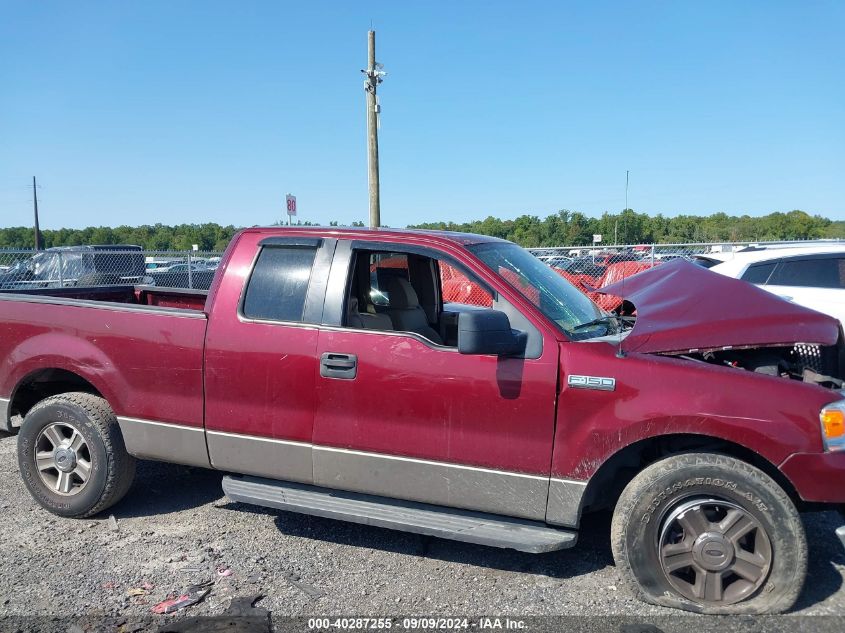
point(383, 266)
point(809, 273)
point(456, 287)
point(758, 273)
point(278, 285)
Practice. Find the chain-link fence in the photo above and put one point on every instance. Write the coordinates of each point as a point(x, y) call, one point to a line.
point(587, 267)
point(69, 266)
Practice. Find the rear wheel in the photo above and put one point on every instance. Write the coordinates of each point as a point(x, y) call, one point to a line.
point(712, 534)
point(72, 457)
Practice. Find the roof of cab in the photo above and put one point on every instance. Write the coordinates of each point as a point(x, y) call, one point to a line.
point(454, 237)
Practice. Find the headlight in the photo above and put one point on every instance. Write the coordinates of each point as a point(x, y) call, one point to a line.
point(832, 418)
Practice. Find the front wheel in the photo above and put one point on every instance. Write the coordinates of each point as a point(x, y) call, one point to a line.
point(708, 533)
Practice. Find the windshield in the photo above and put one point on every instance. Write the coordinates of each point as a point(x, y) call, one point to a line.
point(558, 299)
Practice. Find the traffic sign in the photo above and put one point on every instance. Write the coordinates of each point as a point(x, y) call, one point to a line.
point(290, 204)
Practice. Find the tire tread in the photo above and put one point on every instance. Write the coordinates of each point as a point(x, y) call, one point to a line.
point(120, 467)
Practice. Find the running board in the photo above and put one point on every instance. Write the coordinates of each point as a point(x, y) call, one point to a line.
point(406, 516)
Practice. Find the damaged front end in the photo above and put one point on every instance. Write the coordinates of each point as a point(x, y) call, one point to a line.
point(686, 311)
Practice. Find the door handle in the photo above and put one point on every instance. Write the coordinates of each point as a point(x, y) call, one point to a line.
point(334, 365)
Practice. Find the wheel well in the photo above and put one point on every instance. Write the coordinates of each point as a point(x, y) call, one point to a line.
point(43, 384)
point(613, 475)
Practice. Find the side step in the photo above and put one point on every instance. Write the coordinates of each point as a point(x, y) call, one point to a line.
point(406, 516)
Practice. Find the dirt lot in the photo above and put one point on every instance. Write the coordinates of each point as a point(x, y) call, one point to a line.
point(176, 520)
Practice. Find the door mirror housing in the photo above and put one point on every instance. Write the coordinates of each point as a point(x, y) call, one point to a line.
point(489, 332)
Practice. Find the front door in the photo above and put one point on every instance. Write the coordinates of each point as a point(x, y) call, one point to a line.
point(403, 414)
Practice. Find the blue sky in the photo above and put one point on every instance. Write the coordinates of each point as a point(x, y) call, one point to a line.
point(144, 112)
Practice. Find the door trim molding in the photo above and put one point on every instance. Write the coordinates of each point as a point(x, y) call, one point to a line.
point(431, 462)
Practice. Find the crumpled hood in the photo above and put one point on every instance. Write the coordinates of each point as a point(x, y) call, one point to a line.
point(683, 307)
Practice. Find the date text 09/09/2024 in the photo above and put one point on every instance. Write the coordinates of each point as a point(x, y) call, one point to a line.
point(416, 623)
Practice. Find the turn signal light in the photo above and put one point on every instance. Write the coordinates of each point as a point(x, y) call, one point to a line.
point(833, 423)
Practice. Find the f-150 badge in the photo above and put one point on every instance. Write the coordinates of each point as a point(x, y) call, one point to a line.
point(601, 383)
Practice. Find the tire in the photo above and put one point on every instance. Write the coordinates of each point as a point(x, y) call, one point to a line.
point(684, 527)
point(78, 431)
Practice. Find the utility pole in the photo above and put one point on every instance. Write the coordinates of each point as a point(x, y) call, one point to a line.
point(374, 74)
point(35, 208)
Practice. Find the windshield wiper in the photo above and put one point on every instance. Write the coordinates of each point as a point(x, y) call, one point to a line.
point(606, 320)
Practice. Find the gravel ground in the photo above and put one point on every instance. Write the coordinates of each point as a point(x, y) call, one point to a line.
point(176, 519)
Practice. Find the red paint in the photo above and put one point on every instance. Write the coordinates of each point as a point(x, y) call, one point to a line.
point(259, 377)
point(145, 365)
point(657, 395)
point(416, 400)
point(681, 307)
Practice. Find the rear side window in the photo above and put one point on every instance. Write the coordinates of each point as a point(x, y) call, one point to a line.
point(810, 273)
point(279, 283)
point(759, 273)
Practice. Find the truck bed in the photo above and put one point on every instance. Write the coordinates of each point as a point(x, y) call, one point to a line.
point(133, 295)
point(140, 347)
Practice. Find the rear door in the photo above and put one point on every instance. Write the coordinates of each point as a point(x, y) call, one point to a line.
point(402, 415)
point(260, 359)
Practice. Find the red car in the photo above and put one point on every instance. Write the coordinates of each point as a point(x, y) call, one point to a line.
point(326, 371)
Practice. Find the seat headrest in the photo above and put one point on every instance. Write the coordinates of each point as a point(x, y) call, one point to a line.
point(401, 293)
point(353, 304)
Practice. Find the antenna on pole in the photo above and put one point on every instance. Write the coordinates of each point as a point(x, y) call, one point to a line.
point(35, 209)
point(624, 211)
point(621, 321)
point(627, 172)
point(374, 76)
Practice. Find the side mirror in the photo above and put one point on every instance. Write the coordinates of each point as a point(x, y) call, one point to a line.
point(489, 332)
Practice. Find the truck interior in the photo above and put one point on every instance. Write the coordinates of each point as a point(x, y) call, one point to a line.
point(391, 291)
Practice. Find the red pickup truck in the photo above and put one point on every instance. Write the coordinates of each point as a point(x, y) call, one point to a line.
point(325, 373)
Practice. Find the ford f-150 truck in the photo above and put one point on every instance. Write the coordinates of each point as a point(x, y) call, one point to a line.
point(325, 374)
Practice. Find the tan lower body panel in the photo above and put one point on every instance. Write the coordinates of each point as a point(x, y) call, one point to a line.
point(536, 497)
point(5, 424)
point(565, 502)
point(146, 439)
point(264, 457)
point(439, 483)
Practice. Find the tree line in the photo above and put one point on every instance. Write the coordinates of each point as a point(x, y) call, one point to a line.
point(572, 228)
point(564, 228)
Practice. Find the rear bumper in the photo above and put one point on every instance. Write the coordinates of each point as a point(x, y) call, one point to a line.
point(817, 477)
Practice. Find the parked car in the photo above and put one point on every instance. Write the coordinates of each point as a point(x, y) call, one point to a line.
point(63, 266)
point(813, 277)
point(178, 276)
point(595, 265)
point(325, 373)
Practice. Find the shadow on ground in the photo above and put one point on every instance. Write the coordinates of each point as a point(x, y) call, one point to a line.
point(166, 488)
point(590, 554)
point(161, 488)
point(823, 579)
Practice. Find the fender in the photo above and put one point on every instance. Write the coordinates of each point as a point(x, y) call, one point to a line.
point(78, 356)
point(658, 396)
